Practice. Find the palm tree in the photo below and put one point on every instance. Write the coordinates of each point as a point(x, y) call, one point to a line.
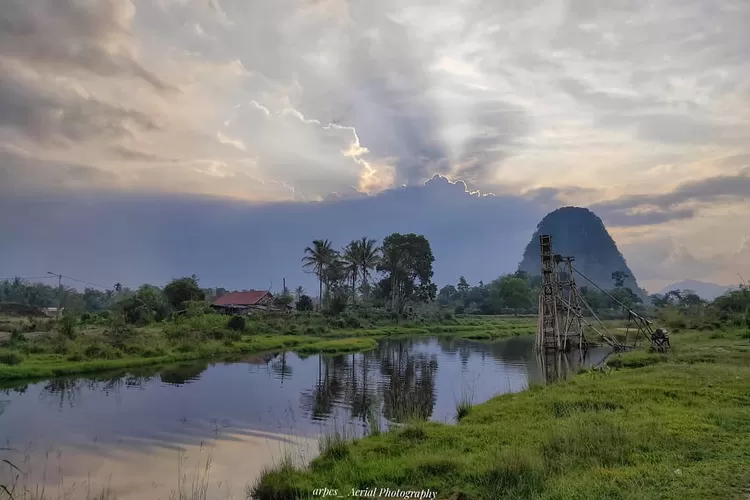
point(368, 257)
point(392, 262)
point(316, 260)
point(299, 292)
point(350, 261)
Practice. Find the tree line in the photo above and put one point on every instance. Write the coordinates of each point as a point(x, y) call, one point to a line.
point(394, 275)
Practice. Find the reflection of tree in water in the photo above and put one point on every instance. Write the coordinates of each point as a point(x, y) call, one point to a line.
point(329, 387)
point(409, 387)
point(464, 352)
point(68, 390)
point(180, 374)
point(3, 404)
point(448, 345)
point(281, 368)
point(360, 393)
point(515, 349)
point(17, 389)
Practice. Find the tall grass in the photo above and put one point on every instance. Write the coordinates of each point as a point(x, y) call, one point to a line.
point(673, 429)
point(465, 403)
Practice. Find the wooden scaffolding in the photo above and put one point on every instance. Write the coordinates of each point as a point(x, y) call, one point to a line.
point(560, 322)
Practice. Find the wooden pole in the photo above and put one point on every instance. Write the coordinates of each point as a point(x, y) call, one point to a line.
point(59, 294)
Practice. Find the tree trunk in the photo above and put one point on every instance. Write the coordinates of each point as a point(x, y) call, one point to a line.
point(320, 296)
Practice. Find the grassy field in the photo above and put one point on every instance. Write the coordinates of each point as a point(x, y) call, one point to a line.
point(671, 426)
point(43, 349)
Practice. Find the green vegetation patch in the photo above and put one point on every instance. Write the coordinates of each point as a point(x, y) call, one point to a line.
point(669, 429)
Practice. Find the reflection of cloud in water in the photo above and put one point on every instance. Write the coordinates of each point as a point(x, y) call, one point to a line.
point(149, 471)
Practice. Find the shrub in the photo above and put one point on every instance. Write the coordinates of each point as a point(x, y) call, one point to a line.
point(336, 306)
point(10, 358)
point(17, 338)
point(351, 321)
point(237, 323)
point(119, 332)
point(99, 351)
point(196, 308)
point(68, 326)
point(304, 303)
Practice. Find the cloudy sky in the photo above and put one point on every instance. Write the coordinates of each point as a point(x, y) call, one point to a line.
point(263, 108)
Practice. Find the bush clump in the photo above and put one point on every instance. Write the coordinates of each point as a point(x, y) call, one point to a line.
point(11, 358)
point(68, 326)
point(237, 323)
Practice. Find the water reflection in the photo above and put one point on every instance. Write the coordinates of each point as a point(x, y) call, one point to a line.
point(275, 392)
point(183, 373)
point(408, 376)
point(133, 422)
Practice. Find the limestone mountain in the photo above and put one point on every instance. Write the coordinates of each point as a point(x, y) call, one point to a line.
point(578, 232)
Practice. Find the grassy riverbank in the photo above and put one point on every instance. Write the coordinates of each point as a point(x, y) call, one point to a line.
point(65, 349)
point(656, 427)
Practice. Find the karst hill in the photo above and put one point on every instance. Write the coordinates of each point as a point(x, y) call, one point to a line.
point(578, 232)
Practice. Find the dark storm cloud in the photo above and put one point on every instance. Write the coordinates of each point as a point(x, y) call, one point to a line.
point(43, 115)
point(69, 34)
point(109, 237)
point(651, 217)
point(499, 126)
point(637, 210)
point(21, 176)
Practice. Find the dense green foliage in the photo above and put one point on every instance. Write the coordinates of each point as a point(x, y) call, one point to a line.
point(345, 277)
point(107, 342)
point(518, 293)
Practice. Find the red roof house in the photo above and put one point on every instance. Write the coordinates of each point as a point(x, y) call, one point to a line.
point(243, 301)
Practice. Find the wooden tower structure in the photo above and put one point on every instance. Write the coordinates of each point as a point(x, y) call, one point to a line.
point(560, 323)
point(561, 320)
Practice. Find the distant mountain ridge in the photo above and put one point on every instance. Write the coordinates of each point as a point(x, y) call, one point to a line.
point(704, 290)
point(580, 233)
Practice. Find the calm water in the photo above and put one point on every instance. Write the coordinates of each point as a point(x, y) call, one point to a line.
point(254, 404)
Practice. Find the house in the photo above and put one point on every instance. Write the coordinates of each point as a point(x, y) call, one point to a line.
point(52, 311)
point(244, 302)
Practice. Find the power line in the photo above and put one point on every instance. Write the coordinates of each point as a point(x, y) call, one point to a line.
point(53, 276)
point(86, 282)
point(27, 278)
point(630, 311)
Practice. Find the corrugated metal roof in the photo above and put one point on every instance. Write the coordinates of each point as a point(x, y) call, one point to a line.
point(241, 298)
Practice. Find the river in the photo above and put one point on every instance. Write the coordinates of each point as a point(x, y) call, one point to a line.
point(131, 431)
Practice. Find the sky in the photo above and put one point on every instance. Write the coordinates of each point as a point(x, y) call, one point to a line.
point(143, 139)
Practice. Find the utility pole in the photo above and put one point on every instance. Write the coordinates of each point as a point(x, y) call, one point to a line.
point(59, 293)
